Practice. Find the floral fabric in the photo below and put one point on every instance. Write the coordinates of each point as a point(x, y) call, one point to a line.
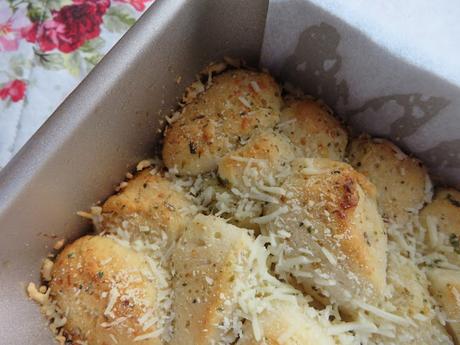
point(46, 48)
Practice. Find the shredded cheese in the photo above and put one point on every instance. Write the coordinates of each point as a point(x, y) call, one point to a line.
point(255, 86)
point(270, 217)
point(37, 296)
point(384, 314)
point(113, 296)
point(46, 269)
point(244, 101)
point(151, 335)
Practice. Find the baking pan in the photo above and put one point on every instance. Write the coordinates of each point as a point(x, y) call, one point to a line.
point(110, 122)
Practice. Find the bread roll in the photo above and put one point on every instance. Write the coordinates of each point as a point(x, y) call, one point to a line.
point(147, 206)
point(409, 297)
point(208, 264)
point(445, 288)
point(252, 175)
point(335, 243)
point(210, 126)
point(286, 325)
point(257, 164)
point(402, 183)
point(110, 293)
point(314, 132)
point(441, 224)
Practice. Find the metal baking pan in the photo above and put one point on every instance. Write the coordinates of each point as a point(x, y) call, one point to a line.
point(112, 120)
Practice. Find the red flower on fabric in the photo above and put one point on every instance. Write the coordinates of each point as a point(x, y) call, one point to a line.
point(30, 33)
point(14, 89)
point(70, 27)
point(139, 5)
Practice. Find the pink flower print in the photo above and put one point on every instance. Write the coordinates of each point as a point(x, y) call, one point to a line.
point(11, 25)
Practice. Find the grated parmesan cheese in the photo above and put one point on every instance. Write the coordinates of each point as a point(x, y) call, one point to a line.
point(144, 164)
point(385, 315)
point(151, 335)
point(84, 214)
point(331, 257)
point(115, 322)
point(37, 296)
point(113, 338)
point(432, 224)
point(46, 269)
point(255, 86)
point(351, 327)
point(113, 296)
point(270, 217)
point(244, 101)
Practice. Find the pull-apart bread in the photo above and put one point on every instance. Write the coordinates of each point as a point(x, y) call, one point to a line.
point(222, 281)
point(440, 225)
point(332, 238)
point(445, 287)
point(264, 223)
point(110, 293)
point(402, 182)
point(215, 122)
point(313, 130)
point(146, 206)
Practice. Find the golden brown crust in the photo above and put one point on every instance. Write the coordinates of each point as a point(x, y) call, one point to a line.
point(402, 182)
point(211, 125)
point(410, 286)
point(445, 207)
point(410, 298)
point(314, 132)
point(332, 207)
point(205, 261)
point(440, 221)
point(147, 205)
point(286, 325)
point(254, 169)
point(445, 288)
point(88, 276)
point(266, 153)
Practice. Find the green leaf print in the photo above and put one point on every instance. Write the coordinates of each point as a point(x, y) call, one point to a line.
point(92, 45)
point(118, 19)
point(72, 62)
point(37, 11)
point(51, 61)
